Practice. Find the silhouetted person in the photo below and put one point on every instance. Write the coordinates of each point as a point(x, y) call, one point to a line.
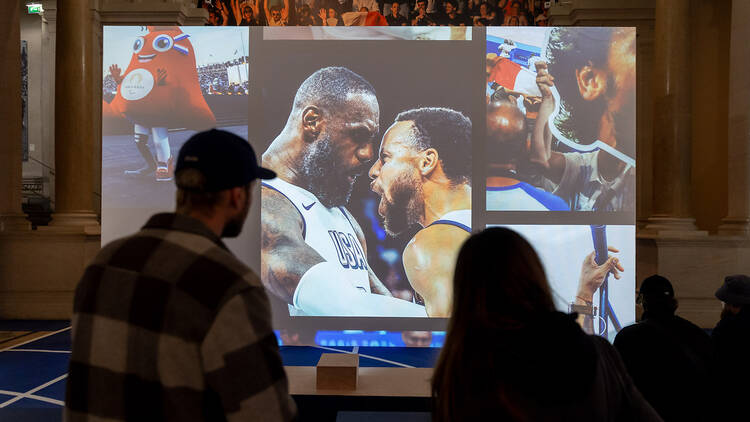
point(732, 342)
point(509, 356)
point(668, 357)
point(168, 324)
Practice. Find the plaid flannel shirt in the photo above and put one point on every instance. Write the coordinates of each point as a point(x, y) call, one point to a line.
point(169, 325)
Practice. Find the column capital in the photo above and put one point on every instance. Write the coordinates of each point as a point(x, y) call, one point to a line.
point(168, 13)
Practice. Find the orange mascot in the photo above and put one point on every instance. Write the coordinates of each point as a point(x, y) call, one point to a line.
point(160, 90)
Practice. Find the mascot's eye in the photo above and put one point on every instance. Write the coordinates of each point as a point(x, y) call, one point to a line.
point(138, 45)
point(163, 43)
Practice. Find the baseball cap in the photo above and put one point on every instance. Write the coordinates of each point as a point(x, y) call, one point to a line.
point(224, 159)
point(656, 286)
point(735, 290)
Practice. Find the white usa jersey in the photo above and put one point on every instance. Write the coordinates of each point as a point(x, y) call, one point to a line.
point(329, 232)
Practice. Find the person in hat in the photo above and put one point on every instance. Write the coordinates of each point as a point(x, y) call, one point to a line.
point(668, 357)
point(731, 338)
point(168, 324)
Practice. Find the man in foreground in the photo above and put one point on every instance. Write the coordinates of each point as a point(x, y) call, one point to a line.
point(731, 338)
point(168, 324)
point(668, 357)
point(314, 255)
point(423, 176)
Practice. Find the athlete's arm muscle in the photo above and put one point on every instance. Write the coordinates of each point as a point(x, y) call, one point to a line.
point(285, 256)
point(552, 162)
point(376, 286)
point(429, 260)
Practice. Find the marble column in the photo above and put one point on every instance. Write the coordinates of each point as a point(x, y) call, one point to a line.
point(737, 221)
point(11, 214)
point(671, 211)
point(74, 116)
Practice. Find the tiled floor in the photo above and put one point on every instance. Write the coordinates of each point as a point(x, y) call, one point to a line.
point(34, 362)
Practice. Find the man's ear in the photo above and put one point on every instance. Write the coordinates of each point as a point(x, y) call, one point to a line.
point(311, 123)
point(428, 161)
point(592, 82)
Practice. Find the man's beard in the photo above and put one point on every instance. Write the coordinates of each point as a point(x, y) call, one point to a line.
point(323, 176)
point(726, 313)
point(406, 205)
point(233, 227)
point(625, 129)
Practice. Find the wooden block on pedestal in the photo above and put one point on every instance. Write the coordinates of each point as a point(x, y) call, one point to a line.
point(337, 371)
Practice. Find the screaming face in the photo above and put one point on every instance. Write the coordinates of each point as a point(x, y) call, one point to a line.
point(396, 178)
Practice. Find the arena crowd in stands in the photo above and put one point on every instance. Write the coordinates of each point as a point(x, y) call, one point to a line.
point(378, 12)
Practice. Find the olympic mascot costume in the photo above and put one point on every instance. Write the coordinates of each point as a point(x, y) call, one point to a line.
point(160, 90)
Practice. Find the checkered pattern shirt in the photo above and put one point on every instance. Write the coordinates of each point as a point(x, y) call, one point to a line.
point(169, 325)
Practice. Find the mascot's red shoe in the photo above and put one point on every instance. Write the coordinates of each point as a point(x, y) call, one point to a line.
point(165, 171)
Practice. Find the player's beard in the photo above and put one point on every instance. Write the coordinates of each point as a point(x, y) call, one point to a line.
point(323, 176)
point(405, 206)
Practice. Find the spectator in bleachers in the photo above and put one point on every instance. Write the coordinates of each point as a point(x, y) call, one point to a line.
point(540, 20)
point(370, 5)
point(509, 356)
point(276, 15)
point(332, 19)
point(731, 339)
point(420, 16)
point(395, 18)
point(516, 16)
point(305, 17)
point(451, 16)
point(668, 357)
point(486, 15)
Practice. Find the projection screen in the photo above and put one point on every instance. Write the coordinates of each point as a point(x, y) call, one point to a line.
point(391, 146)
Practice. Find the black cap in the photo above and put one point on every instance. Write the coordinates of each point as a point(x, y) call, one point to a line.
point(224, 159)
point(735, 290)
point(656, 286)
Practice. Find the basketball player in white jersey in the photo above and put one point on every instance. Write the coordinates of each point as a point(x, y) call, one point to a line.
point(423, 176)
point(313, 252)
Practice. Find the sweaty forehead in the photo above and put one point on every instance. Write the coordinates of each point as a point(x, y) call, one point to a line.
point(398, 137)
point(359, 108)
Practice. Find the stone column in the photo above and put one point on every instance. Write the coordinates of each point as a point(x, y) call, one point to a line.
point(11, 215)
point(74, 116)
point(737, 221)
point(672, 128)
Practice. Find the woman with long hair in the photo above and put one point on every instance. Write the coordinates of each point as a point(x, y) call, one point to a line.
point(509, 356)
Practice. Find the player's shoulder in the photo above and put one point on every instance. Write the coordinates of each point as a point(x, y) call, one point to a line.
point(279, 209)
point(548, 200)
point(436, 238)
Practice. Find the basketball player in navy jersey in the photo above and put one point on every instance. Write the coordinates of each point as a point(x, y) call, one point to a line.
point(313, 252)
point(506, 146)
point(423, 176)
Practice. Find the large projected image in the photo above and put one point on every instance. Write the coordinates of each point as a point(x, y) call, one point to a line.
point(373, 197)
point(390, 146)
point(560, 119)
point(162, 84)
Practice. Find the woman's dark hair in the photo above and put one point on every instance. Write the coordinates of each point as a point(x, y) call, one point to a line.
point(499, 286)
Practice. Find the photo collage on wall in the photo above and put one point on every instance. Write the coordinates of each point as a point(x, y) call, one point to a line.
point(391, 146)
point(560, 167)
